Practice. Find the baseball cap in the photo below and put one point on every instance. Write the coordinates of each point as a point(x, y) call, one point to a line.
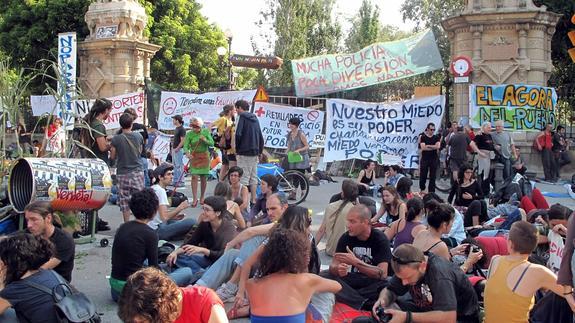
point(162, 169)
point(179, 118)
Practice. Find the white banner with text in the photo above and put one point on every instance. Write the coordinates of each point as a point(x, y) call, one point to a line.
point(366, 130)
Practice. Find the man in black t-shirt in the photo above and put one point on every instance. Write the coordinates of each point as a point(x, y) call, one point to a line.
point(429, 143)
point(360, 263)
point(39, 219)
point(440, 291)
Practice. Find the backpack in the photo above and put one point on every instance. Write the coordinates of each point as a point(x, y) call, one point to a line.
point(71, 306)
point(177, 197)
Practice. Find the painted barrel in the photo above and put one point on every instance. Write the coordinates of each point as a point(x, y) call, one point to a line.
point(68, 184)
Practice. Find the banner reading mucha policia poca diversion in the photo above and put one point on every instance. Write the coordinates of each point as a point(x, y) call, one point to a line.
point(522, 107)
point(377, 63)
point(366, 130)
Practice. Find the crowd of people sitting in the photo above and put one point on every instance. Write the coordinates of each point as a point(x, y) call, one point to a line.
point(413, 258)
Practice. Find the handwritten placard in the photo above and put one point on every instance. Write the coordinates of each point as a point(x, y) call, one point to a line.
point(374, 64)
point(522, 107)
point(367, 130)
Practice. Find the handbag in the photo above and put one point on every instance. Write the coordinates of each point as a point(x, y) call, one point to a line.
point(294, 157)
point(70, 305)
point(199, 159)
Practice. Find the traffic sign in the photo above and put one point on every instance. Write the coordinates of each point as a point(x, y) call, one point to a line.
point(261, 95)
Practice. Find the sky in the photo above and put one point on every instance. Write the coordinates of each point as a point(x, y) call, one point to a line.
point(240, 16)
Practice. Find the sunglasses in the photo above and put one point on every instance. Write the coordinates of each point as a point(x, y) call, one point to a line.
point(400, 261)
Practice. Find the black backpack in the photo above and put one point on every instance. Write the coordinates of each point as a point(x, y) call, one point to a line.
point(71, 306)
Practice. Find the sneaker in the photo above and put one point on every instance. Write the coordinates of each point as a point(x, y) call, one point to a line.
point(227, 292)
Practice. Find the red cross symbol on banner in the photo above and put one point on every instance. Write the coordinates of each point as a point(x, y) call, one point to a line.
point(260, 111)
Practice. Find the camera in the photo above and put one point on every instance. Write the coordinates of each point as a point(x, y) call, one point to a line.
point(382, 316)
point(473, 248)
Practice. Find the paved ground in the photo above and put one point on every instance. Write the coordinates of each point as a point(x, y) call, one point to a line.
point(93, 262)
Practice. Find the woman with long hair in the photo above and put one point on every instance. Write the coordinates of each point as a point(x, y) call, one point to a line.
point(93, 131)
point(392, 206)
point(21, 258)
point(196, 144)
point(366, 178)
point(486, 147)
point(224, 127)
point(283, 288)
point(469, 198)
point(208, 241)
point(297, 143)
point(224, 190)
point(334, 222)
point(401, 231)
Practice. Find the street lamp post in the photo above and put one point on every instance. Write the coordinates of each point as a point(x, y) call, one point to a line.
point(222, 52)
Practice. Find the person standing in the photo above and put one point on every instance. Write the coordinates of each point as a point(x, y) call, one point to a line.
point(94, 137)
point(141, 129)
point(484, 143)
point(297, 143)
point(177, 150)
point(544, 144)
point(54, 144)
point(429, 143)
point(225, 129)
point(458, 144)
point(126, 148)
point(196, 144)
point(505, 147)
point(560, 150)
point(39, 219)
point(249, 144)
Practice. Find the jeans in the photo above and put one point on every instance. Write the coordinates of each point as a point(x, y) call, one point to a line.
point(197, 263)
point(220, 270)
point(144, 163)
point(174, 229)
point(548, 164)
point(9, 316)
point(223, 268)
point(178, 161)
point(428, 165)
point(506, 167)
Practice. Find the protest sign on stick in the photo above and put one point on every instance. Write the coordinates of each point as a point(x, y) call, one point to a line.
point(366, 130)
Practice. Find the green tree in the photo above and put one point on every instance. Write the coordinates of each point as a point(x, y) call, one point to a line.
point(301, 28)
point(365, 28)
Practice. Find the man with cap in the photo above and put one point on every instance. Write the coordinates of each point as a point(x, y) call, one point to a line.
point(177, 151)
point(169, 224)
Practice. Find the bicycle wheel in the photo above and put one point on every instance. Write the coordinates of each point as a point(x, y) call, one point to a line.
point(287, 184)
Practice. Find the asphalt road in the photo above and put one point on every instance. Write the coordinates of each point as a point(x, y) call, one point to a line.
point(93, 263)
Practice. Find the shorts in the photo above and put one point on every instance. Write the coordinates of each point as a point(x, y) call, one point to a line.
point(455, 164)
point(226, 159)
point(128, 184)
point(249, 164)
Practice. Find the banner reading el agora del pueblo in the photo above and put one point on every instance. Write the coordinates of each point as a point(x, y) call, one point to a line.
point(522, 107)
point(377, 63)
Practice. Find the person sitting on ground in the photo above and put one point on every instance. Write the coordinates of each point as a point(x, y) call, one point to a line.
point(21, 258)
point(403, 187)
point(393, 175)
point(366, 178)
point(229, 265)
point(469, 199)
point(439, 219)
point(283, 288)
point(401, 231)
point(457, 233)
point(224, 190)
point(295, 218)
point(392, 206)
point(150, 296)
point(40, 222)
point(365, 200)
point(259, 213)
point(136, 244)
point(169, 224)
point(361, 261)
point(239, 190)
point(509, 297)
point(333, 223)
point(207, 243)
point(439, 290)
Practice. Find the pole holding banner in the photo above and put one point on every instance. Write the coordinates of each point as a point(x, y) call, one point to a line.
point(67, 48)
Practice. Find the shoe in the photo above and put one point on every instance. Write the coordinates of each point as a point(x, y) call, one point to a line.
point(227, 292)
point(195, 203)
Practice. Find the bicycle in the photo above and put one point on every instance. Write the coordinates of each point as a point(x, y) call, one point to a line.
point(287, 181)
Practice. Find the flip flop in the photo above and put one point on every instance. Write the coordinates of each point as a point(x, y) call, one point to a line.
point(195, 203)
